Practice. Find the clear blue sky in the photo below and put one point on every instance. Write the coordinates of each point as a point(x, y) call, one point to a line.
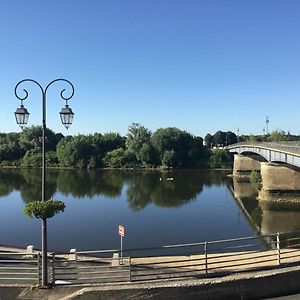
point(196, 65)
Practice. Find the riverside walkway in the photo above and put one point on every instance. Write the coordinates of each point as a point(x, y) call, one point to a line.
point(197, 260)
point(257, 267)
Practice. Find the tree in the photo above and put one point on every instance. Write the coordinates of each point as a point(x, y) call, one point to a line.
point(251, 138)
point(137, 136)
point(9, 147)
point(230, 138)
point(108, 142)
point(34, 159)
point(185, 149)
point(219, 158)
point(148, 155)
point(277, 135)
point(118, 158)
point(87, 151)
point(169, 159)
point(208, 140)
point(31, 138)
point(75, 151)
point(219, 138)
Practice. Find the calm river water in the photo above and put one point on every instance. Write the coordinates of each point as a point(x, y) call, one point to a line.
point(156, 208)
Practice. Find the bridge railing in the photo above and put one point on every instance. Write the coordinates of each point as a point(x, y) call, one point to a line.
point(275, 145)
point(195, 260)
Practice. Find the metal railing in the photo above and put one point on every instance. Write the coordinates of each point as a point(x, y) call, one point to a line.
point(19, 268)
point(196, 260)
point(91, 267)
point(292, 147)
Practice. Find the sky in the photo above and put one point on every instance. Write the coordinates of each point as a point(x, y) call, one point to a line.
point(200, 66)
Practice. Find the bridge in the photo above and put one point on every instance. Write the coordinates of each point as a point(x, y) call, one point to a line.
point(286, 152)
point(278, 164)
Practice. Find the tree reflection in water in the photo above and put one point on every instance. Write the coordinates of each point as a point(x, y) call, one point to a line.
point(82, 183)
point(162, 188)
point(10, 179)
point(167, 189)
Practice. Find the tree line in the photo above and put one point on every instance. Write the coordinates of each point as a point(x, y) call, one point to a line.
point(221, 139)
point(166, 147)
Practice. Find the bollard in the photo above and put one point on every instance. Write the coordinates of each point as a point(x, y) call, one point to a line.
point(115, 260)
point(72, 255)
point(30, 251)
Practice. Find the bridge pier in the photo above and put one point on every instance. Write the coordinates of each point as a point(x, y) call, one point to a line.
point(279, 198)
point(280, 184)
point(243, 165)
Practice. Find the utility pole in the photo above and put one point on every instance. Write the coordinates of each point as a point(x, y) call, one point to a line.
point(267, 124)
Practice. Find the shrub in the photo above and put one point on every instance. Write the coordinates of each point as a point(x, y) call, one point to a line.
point(219, 158)
point(255, 179)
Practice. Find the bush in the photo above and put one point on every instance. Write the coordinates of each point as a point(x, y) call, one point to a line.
point(34, 159)
point(10, 163)
point(219, 158)
point(120, 158)
point(255, 179)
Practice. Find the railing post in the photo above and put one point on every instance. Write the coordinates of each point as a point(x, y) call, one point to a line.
point(129, 262)
point(205, 257)
point(53, 269)
point(38, 267)
point(278, 248)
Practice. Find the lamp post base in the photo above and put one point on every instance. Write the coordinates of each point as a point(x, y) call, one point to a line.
point(45, 287)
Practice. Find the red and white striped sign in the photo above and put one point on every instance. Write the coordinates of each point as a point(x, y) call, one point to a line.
point(121, 230)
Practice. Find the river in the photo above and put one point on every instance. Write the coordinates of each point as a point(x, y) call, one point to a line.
point(156, 208)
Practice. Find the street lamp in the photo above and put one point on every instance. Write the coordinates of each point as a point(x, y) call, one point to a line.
point(22, 116)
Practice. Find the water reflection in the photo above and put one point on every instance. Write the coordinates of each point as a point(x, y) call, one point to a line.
point(156, 207)
point(162, 188)
point(81, 183)
point(10, 180)
point(168, 189)
point(273, 214)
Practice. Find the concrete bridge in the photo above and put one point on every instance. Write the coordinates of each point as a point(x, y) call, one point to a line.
point(278, 163)
point(286, 152)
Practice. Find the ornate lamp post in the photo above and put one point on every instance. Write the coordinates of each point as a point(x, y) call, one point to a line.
point(22, 116)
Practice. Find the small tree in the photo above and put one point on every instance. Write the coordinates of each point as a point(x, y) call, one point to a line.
point(255, 179)
point(137, 136)
point(219, 158)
